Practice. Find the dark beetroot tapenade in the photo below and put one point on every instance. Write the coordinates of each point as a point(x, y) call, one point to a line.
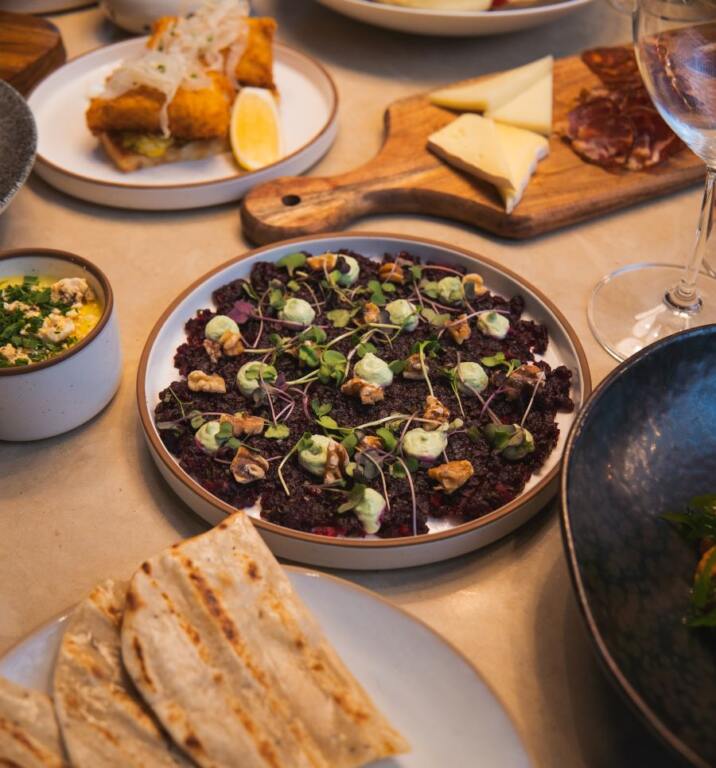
point(497, 428)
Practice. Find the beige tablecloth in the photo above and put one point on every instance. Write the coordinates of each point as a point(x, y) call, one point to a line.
point(90, 504)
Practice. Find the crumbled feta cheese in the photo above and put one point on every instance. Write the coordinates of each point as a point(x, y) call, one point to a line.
point(56, 328)
point(11, 354)
point(70, 290)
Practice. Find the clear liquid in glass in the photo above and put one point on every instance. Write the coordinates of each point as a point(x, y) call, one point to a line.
point(679, 70)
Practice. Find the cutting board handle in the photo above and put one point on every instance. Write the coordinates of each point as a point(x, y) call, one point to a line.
point(293, 206)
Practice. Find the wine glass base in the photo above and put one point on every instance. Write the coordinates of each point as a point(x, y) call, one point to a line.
point(630, 309)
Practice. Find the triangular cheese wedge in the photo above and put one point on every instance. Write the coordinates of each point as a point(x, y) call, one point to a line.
point(531, 109)
point(523, 150)
point(491, 93)
point(473, 144)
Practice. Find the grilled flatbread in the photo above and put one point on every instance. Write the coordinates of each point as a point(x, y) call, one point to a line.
point(235, 666)
point(103, 719)
point(29, 737)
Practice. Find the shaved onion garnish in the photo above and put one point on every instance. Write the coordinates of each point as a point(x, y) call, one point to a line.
point(211, 39)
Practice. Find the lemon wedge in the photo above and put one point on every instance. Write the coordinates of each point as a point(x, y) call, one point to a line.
point(254, 132)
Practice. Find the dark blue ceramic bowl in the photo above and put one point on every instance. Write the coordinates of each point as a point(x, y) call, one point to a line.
point(644, 444)
point(18, 143)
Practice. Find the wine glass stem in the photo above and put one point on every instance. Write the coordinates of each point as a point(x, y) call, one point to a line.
point(684, 295)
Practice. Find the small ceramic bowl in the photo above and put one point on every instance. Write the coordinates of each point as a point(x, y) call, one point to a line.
point(137, 15)
point(56, 395)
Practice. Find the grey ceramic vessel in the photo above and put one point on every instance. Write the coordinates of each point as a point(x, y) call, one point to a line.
point(644, 445)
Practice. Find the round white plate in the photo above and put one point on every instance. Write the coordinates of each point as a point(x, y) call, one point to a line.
point(421, 21)
point(69, 157)
point(428, 690)
point(445, 540)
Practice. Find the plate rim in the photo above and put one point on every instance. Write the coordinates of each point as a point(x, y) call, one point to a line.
point(619, 678)
point(435, 13)
point(330, 121)
point(162, 454)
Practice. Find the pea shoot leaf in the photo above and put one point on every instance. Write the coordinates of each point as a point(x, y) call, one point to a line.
point(339, 317)
point(292, 261)
point(277, 432)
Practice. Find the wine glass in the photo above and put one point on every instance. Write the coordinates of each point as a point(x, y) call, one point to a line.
point(675, 43)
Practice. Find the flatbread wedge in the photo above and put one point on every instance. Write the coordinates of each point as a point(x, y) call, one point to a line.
point(235, 666)
point(104, 721)
point(29, 737)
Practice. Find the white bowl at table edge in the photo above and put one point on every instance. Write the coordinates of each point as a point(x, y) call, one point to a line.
point(54, 396)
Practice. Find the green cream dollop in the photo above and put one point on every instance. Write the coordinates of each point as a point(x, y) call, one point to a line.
point(470, 377)
point(403, 313)
point(450, 290)
point(250, 376)
point(423, 445)
point(206, 436)
point(369, 510)
point(348, 278)
point(493, 324)
point(218, 326)
point(374, 370)
point(314, 456)
point(297, 311)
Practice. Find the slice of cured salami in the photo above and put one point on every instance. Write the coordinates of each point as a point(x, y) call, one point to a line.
point(615, 124)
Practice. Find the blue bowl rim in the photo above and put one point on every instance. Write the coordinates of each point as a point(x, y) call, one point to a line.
point(23, 111)
point(643, 710)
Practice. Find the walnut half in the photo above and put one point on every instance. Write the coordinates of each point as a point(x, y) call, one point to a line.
point(451, 475)
point(198, 381)
point(368, 393)
point(459, 329)
point(336, 462)
point(231, 344)
point(243, 423)
point(325, 261)
point(414, 368)
point(435, 411)
point(391, 273)
point(248, 466)
point(371, 312)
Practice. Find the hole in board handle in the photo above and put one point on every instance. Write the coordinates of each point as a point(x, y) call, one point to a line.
point(290, 200)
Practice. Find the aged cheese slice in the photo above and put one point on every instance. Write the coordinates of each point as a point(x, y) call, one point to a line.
point(531, 109)
point(523, 150)
point(493, 92)
point(473, 144)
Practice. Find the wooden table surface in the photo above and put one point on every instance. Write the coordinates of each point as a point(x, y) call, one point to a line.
point(90, 504)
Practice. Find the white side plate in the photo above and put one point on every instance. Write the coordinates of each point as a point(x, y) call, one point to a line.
point(427, 689)
point(445, 540)
point(69, 157)
point(420, 21)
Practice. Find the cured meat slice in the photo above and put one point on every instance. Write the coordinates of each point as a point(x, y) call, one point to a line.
point(615, 124)
point(616, 66)
point(600, 133)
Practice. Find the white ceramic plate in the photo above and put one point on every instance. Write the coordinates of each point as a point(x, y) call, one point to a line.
point(427, 689)
point(69, 157)
point(156, 372)
point(420, 21)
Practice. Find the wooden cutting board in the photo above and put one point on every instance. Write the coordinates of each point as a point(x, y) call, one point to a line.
point(30, 48)
point(406, 178)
